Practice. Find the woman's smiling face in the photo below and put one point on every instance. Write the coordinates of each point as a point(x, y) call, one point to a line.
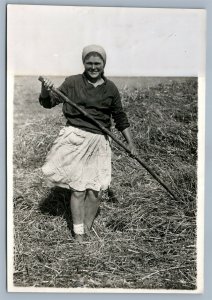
point(94, 66)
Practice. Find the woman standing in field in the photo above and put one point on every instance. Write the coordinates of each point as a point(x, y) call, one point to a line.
point(80, 158)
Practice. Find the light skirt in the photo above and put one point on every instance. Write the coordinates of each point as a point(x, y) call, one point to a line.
point(79, 160)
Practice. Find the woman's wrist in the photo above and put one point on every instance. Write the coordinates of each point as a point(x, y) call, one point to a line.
point(127, 135)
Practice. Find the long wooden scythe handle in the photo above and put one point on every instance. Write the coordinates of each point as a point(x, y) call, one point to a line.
point(84, 113)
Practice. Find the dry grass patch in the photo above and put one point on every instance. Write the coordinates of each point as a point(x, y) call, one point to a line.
point(142, 237)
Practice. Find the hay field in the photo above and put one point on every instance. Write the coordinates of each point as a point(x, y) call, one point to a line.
point(142, 238)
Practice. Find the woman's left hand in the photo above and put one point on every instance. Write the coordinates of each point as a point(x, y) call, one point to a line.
point(127, 135)
point(133, 149)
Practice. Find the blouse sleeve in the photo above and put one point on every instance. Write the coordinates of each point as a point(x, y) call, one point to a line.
point(119, 116)
point(53, 99)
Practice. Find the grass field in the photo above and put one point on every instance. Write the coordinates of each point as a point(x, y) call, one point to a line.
point(143, 238)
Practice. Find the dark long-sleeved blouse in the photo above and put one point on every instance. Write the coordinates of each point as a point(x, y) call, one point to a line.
point(100, 102)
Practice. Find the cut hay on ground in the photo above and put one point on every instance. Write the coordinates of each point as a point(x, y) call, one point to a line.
point(142, 237)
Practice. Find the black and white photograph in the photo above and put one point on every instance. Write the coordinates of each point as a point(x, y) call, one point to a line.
point(105, 149)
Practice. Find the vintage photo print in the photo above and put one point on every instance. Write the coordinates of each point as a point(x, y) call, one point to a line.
point(105, 149)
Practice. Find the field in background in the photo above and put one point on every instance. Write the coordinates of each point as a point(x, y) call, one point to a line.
point(143, 238)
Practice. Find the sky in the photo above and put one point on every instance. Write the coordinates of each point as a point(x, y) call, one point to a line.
point(48, 40)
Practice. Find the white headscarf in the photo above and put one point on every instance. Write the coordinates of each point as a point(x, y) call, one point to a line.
point(94, 48)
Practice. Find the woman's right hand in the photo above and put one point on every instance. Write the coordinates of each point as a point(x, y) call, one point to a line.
point(46, 88)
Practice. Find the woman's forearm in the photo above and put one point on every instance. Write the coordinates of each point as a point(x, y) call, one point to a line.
point(127, 135)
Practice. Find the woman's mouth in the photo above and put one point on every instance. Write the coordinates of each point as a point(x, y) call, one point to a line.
point(94, 72)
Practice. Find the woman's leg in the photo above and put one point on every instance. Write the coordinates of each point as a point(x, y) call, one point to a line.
point(92, 200)
point(78, 212)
